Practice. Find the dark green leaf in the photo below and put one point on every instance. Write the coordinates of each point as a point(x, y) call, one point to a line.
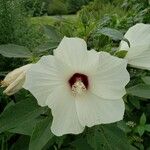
point(140, 90)
point(22, 112)
point(41, 135)
point(12, 50)
point(21, 144)
point(108, 137)
point(81, 144)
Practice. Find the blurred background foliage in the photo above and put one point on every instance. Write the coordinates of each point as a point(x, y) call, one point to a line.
point(39, 25)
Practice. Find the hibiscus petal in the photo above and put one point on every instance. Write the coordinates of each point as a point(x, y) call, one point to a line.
point(93, 110)
point(111, 77)
point(65, 119)
point(139, 57)
point(72, 52)
point(139, 34)
point(42, 78)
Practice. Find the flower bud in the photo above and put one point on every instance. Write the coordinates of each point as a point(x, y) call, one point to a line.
point(15, 80)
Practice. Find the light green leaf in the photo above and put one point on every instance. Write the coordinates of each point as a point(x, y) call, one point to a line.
point(146, 80)
point(143, 119)
point(46, 46)
point(18, 114)
point(141, 130)
point(41, 135)
point(52, 33)
point(140, 90)
point(12, 50)
point(121, 54)
point(108, 137)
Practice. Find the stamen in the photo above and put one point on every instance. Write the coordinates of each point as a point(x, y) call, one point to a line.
point(78, 87)
point(78, 83)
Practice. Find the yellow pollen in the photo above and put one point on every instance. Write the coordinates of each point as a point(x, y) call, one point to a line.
point(78, 87)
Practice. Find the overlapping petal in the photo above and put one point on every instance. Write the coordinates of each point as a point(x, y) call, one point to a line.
point(110, 78)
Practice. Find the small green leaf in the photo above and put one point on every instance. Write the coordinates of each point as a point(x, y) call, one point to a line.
point(121, 54)
point(41, 135)
point(147, 127)
point(146, 80)
point(140, 90)
point(12, 50)
point(141, 130)
point(143, 119)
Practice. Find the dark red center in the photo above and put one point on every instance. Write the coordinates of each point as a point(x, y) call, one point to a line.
point(79, 76)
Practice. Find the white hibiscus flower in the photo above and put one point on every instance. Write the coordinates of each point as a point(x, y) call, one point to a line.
point(138, 54)
point(15, 80)
point(82, 88)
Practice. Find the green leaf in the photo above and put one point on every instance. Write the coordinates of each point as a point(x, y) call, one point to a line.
point(21, 144)
point(140, 90)
point(12, 50)
point(143, 119)
point(27, 127)
point(52, 33)
point(108, 137)
point(114, 34)
point(146, 80)
point(41, 135)
point(122, 125)
point(147, 127)
point(81, 144)
point(46, 46)
point(141, 130)
point(18, 114)
point(121, 54)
